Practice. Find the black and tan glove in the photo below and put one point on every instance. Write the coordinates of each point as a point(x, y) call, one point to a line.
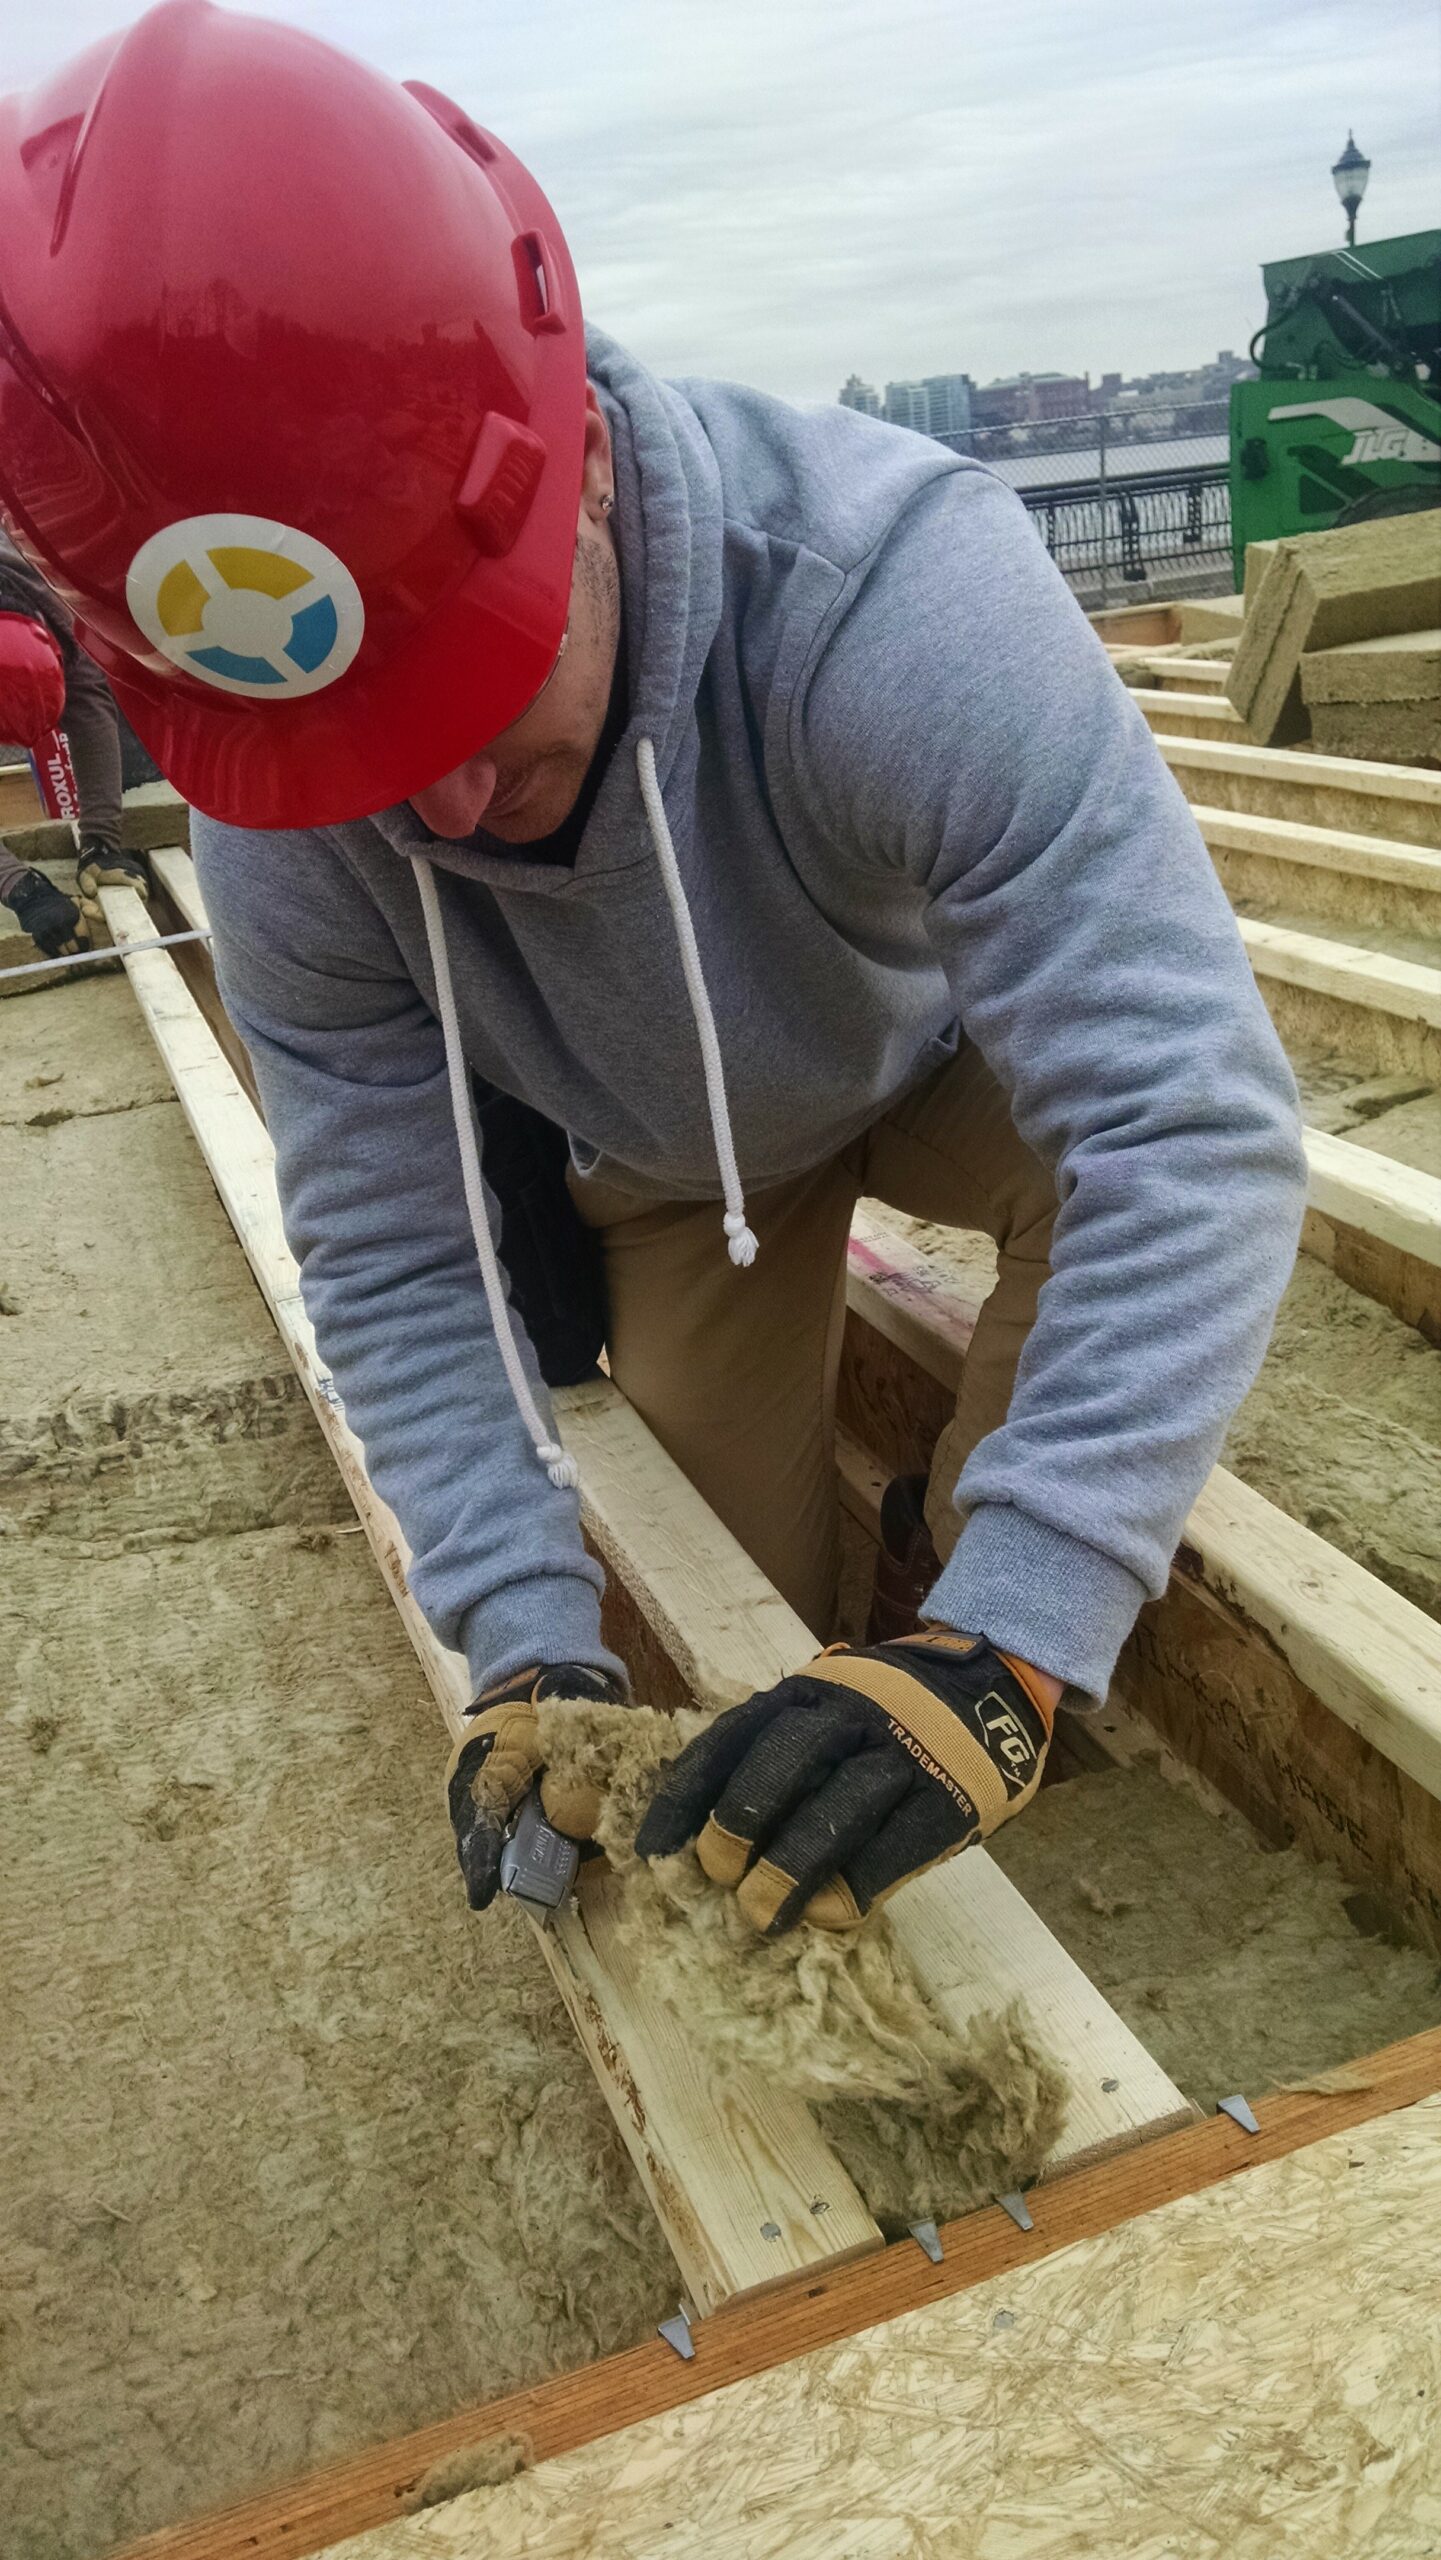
point(103, 866)
point(497, 1760)
point(53, 921)
point(817, 1798)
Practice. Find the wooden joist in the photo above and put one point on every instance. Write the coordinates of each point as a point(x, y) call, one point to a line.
point(1324, 872)
point(741, 2181)
point(1382, 1014)
point(1358, 796)
point(1206, 715)
point(1137, 626)
point(1378, 1225)
point(173, 868)
point(1170, 670)
point(1345, 970)
point(1301, 1685)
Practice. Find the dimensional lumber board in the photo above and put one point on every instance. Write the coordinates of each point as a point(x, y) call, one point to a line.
point(1189, 715)
point(1346, 970)
point(1363, 797)
point(1328, 873)
point(720, 2175)
point(1378, 1224)
point(1150, 626)
point(1381, 1014)
point(175, 871)
point(1415, 867)
point(717, 2174)
point(554, 2417)
point(176, 906)
point(1369, 1656)
point(1170, 670)
point(1251, 2371)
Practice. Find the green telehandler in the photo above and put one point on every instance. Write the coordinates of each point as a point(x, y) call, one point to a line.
point(1345, 420)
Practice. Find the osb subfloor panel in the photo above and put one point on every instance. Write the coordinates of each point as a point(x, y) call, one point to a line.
point(295, 2151)
point(1249, 2374)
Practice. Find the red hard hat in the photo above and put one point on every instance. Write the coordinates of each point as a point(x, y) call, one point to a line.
point(292, 406)
point(32, 680)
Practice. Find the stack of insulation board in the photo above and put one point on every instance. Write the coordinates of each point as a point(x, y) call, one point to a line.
point(1327, 592)
point(1380, 698)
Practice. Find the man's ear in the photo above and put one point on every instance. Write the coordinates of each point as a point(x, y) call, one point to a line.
point(597, 488)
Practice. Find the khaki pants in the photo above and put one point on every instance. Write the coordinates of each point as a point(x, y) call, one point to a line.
point(735, 1371)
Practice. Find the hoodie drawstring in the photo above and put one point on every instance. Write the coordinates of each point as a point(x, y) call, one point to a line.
point(742, 1246)
point(558, 1464)
point(741, 1243)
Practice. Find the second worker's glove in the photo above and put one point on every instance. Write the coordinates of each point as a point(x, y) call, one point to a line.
point(815, 1799)
point(53, 921)
point(103, 866)
point(497, 1761)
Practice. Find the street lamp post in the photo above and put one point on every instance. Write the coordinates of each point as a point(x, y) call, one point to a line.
point(1350, 174)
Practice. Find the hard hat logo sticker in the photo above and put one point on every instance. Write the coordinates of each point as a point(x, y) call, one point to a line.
point(246, 604)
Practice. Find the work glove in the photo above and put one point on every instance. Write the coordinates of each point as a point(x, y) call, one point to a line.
point(53, 921)
point(497, 1760)
point(816, 1799)
point(103, 866)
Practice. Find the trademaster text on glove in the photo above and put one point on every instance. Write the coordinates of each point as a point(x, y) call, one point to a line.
point(817, 1798)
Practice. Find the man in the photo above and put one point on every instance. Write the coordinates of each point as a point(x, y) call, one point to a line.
point(48, 684)
point(739, 788)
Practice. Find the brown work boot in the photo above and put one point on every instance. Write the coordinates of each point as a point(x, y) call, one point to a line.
point(907, 1564)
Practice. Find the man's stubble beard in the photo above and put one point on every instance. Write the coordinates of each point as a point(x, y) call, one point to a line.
point(565, 766)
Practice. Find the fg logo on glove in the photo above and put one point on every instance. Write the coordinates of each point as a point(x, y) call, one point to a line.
point(246, 604)
point(1000, 1731)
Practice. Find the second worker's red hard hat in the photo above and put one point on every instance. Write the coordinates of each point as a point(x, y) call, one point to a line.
point(292, 407)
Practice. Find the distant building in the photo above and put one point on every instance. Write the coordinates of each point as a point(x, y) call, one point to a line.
point(948, 401)
point(1062, 395)
point(1024, 399)
point(908, 404)
point(861, 395)
point(1001, 404)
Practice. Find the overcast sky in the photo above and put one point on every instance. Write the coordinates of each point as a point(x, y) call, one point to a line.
point(784, 191)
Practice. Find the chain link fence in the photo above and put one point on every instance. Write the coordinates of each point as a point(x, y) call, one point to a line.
point(1129, 502)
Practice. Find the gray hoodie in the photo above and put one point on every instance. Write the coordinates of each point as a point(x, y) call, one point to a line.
point(909, 803)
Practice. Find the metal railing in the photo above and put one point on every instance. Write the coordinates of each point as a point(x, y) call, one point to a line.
point(1123, 499)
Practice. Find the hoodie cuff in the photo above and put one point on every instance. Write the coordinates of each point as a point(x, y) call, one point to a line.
point(555, 1618)
point(1039, 1593)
